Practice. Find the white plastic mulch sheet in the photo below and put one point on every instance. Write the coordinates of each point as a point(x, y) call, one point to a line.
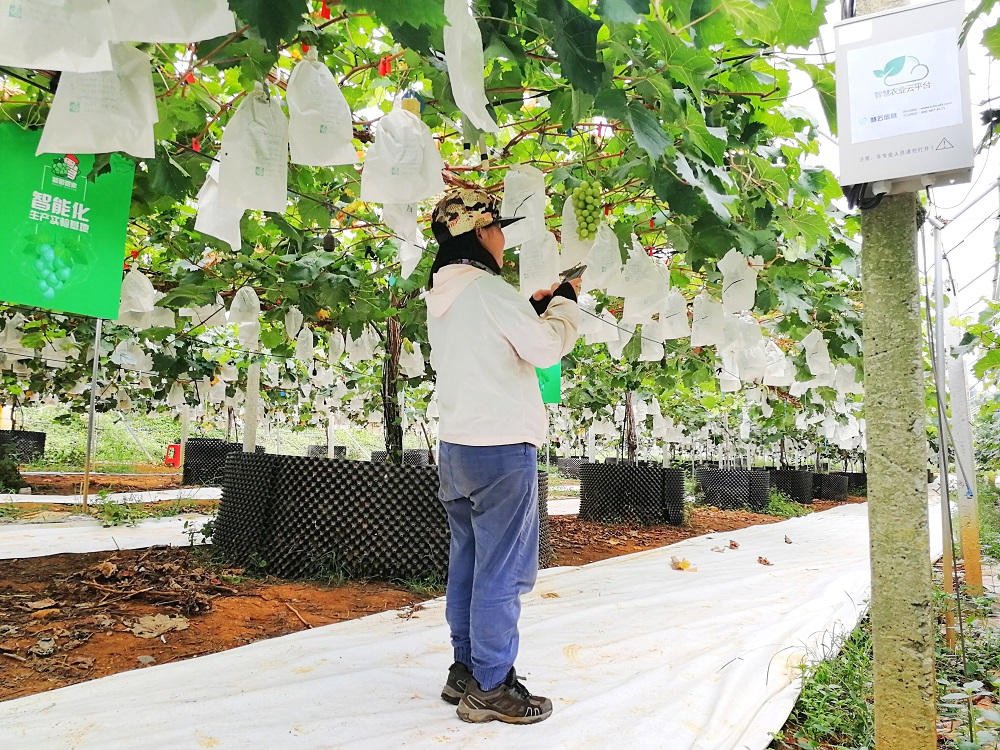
point(145, 496)
point(633, 654)
point(564, 506)
point(19, 540)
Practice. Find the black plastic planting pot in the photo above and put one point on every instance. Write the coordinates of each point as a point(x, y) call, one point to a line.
point(22, 446)
point(205, 458)
point(411, 457)
point(624, 493)
point(319, 451)
point(300, 517)
point(830, 487)
point(569, 467)
point(797, 485)
point(734, 489)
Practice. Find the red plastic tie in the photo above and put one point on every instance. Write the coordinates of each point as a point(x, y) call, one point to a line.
point(189, 78)
point(196, 145)
point(305, 49)
point(325, 11)
point(651, 224)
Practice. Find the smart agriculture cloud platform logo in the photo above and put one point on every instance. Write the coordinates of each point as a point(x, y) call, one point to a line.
point(902, 70)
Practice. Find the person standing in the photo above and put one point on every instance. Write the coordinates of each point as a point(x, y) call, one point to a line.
point(486, 341)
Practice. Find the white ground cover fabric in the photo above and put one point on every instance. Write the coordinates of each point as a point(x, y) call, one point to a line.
point(20, 540)
point(147, 496)
point(632, 653)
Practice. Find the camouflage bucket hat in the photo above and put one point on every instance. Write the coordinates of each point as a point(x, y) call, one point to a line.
point(465, 210)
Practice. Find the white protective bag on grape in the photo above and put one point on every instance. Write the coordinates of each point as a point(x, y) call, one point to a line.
point(104, 112)
point(538, 262)
point(293, 322)
point(590, 323)
point(214, 217)
point(212, 314)
point(171, 21)
point(574, 250)
point(604, 262)
point(245, 307)
point(361, 349)
point(646, 284)
point(751, 363)
point(523, 196)
point(253, 169)
point(625, 332)
point(335, 346)
point(138, 297)
point(817, 355)
point(401, 218)
point(305, 348)
point(652, 345)
point(403, 165)
point(320, 126)
point(707, 328)
point(674, 322)
point(846, 380)
point(411, 361)
point(67, 35)
point(739, 281)
point(779, 372)
point(607, 333)
point(729, 381)
point(248, 335)
point(130, 356)
point(175, 396)
point(463, 54)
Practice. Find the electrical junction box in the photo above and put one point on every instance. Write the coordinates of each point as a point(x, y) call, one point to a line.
point(903, 111)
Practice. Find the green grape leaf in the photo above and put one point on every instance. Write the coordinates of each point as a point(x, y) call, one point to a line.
point(574, 39)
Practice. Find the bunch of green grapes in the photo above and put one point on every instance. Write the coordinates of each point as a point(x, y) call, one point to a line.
point(588, 205)
point(60, 169)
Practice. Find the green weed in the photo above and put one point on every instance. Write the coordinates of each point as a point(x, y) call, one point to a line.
point(9, 510)
point(118, 514)
point(782, 506)
point(429, 585)
point(834, 710)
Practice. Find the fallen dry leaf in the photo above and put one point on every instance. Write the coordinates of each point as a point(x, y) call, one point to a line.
point(733, 544)
point(42, 613)
point(550, 595)
point(719, 549)
point(41, 604)
point(787, 540)
point(153, 626)
point(764, 561)
point(106, 569)
point(681, 563)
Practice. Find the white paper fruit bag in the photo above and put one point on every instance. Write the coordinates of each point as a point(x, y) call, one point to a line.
point(254, 159)
point(68, 35)
point(171, 21)
point(403, 165)
point(320, 127)
point(98, 113)
point(463, 53)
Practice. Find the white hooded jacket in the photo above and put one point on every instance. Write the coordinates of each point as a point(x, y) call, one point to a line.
point(486, 341)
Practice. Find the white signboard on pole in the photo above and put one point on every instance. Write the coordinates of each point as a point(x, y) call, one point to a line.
point(903, 110)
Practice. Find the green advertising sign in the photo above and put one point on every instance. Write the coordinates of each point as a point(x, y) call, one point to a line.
point(63, 237)
point(550, 381)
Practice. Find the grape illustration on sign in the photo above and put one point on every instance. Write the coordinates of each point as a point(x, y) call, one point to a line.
point(65, 233)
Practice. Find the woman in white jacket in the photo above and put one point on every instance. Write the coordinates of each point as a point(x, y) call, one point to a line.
point(486, 341)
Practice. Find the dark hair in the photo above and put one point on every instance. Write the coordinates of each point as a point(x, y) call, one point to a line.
point(465, 246)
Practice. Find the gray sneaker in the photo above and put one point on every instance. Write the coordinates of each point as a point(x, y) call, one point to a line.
point(458, 677)
point(510, 703)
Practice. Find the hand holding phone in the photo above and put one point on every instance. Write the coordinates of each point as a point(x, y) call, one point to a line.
point(575, 272)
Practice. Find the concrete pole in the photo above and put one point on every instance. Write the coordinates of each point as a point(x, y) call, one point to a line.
point(251, 408)
point(902, 589)
point(92, 415)
point(965, 463)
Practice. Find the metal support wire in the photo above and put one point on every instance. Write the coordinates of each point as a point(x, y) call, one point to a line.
point(935, 339)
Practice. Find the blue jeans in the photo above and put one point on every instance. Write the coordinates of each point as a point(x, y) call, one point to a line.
point(491, 496)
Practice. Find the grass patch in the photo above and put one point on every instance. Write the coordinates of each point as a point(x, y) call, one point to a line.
point(782, 506)
point(834, 710)
point(118, 514)
point(430, 585)
point(9, 510)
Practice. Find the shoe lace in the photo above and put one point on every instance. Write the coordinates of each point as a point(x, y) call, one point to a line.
point(520, 690)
